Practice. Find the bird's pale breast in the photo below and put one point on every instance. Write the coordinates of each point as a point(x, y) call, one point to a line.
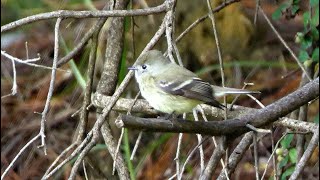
point(163, 101)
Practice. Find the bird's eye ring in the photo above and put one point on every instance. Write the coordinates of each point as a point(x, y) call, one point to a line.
point(144, 66)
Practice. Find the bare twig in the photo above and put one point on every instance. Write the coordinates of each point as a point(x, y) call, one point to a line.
point(18, 155)
point(14, 88)
point(296, 125)
point(105, 112)
point(117, 151)
point(177, 158)
point(88, 90)
point(255, 155)
point(216, 156)
point(272, 154)
point(85, 170)
point(189, 157)
point(285, 44)
point(64, 152)
point(214, 141)
point(122, 169)
point(199, 137)
point(216, 37)
point(51, 86)
point(82, 154)
point(140, 134)
point(136, 145)
point(27, 61)
point(303, 114)
point(73, 154)
point(97, 27)
point(83, 14)
point(201, 19)
point(256, 12)
point(308, 152)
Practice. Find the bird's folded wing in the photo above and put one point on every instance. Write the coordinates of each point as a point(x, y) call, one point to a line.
point(193, 88)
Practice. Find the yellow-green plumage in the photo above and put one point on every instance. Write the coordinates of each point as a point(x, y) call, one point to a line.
point(163, 101)
point(171, 88)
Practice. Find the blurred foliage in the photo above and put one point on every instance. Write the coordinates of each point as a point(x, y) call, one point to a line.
point(309, 37)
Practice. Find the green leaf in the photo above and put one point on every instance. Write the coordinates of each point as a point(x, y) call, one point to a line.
point(295, 9)
point(316, 119)
point(306, 18)
point(278, 12)
point(306, 42)
point(284, 162)
point(127, 154)
point(303, 55)
point(293, 155)
point(314, 2)
point(285, 143)
point(315, 55)
point(315, 17)
point(314, 33)
point(287, 173)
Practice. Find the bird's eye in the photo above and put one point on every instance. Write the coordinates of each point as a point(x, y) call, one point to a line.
point(144, 66)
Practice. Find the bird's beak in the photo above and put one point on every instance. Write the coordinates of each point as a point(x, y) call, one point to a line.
point(132, 68)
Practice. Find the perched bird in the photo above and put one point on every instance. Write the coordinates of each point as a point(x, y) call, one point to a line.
point(171, 88)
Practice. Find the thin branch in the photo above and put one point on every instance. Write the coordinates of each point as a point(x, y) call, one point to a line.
point(189, 157)
point(18, 155)
point(177, 158)
point(84, 14)
point(214, 142)
point(199, 137)
point(216, 37)
point(51, 86)
point(272, 154)
point(69, 158)
point(194, 24)
point(85, 170)
point(296, 125)
point(237, 154)
point(27, 61)
point(14, 88)
point(88, 90)
point(117, 151)
point(256, 12)
point(64, 152)
point(111, 143)
point(255, 155)
point(108, 79)
point(136, 145)
point(105, 112)
point(80, 45)
point(285, 44)
point(307, 154)
point(77, 163)
point(217, 154)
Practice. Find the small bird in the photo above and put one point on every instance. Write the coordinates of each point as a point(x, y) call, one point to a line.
point(171, 88)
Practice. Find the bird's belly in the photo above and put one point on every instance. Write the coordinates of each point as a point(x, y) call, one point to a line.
point(168, 103)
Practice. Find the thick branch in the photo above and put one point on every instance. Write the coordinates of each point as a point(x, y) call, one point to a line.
point(109, 78)
point(258, 118)
point(142, 106)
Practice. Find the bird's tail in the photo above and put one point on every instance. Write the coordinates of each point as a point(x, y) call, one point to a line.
point(221, 91)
